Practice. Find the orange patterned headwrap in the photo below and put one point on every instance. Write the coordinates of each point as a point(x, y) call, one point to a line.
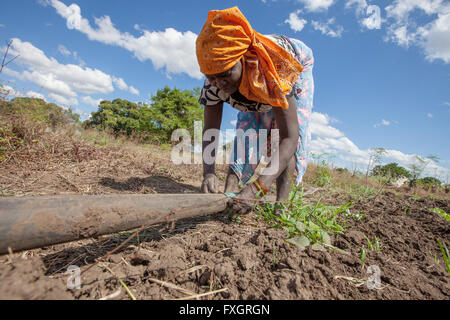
point(269, 71)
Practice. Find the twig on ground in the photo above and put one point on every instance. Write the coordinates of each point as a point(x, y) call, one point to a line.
point(120, 280)
point(112, 295)
point(172, 286)
point(202, 294)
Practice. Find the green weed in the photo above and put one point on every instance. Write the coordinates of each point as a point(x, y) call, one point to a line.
point(445, 255)
point(375, 245)
point(444, 215)
point(363, 256)
point(306, 223)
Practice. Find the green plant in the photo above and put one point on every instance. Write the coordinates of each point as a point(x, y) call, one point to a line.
point(375, 245)
point(445, 255)
point(307, 224)
point(355, 216)
point(363, 255)
point(444, 215)
point(434, 257)
point(323, 176)
point(356, 191)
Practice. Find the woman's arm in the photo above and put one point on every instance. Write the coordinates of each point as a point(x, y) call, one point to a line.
point(287, 122)
point(213, 120)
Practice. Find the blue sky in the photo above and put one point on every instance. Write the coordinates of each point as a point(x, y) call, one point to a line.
point(382, 68)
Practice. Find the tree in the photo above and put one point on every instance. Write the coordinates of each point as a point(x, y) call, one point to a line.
point(374, 158)
point(392, 171)
point(420, 165)
point(173, 109)
point(120, 116)
point(169, 109)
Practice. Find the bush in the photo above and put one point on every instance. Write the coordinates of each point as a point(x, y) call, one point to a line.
point(428, 183)
point(37, 110)
point(322, 176)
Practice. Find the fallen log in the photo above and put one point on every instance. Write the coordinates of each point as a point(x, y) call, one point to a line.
point(34, 222)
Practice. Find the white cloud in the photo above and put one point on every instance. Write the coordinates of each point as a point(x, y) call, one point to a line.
point(429, 115)
point(91, 101)
point(295, 22)
point(400, 10)
point(331, 141)
point(320, 127)
point(43, 3)
point(433, 37)
point(63, 101)
point(64, 51)
point(382, 123)
point(2, 25)
point(33, 94)
point(422, 23)
point(233, 122)
point(63, 81)
point(317, 5)
point(326, 28)
point(83, 115)
point(171, 50)
point(407, 160)
point(369, 16)
point(10, 91)
point(360, 5)
point(120, 83)
point(81, 62)
point(133, 90)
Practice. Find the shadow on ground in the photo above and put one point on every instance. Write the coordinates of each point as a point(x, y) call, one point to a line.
point(152, 184)
point(87, 254)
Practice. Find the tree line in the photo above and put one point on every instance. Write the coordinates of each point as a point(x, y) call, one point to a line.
point(169, 109)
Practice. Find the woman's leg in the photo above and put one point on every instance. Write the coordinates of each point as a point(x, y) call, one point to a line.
point(286, 180)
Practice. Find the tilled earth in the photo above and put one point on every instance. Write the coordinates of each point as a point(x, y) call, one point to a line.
point(221, 257)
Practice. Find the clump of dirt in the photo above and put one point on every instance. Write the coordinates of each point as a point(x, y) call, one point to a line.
point(249, 260)
point(25, 279)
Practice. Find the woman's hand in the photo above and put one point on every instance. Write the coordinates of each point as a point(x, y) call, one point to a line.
point(244, 202)
point(210, 183)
